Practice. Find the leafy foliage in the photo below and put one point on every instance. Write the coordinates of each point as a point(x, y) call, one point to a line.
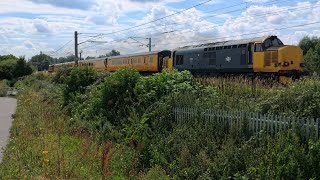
point(13, 68)
point(311, 50)
point(300, 100)
point(77, 82)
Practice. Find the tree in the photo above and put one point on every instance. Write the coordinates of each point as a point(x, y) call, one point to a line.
point(41, 61)
point(41, 58)
point(307, 43)
point(6, 57)
point(12, 68)
point(64, 59)
point(21, 68)
point(311, 50)
point(113, 53)
point(6, 68)
point(90, 57)
point(312, 59)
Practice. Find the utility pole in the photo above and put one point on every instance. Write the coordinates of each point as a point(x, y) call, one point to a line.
point(76, 47)
point(141, 43)
point(80, 54)
point(149, 44)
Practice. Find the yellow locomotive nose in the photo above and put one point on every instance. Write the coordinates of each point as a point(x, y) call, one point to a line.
point(290, 60)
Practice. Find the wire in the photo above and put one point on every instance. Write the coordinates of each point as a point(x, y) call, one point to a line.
point(126, 29)
point(63, 46)
point(103, 34)
point(256, 16)
point(248, 33)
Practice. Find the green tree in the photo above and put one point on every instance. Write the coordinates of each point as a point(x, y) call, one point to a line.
point(40, 58)
point(21, 68)
point(6, 57)
point(113, 53)
point(6, 68)
point(64, 59)
point(41, 61)
point(90, 57)
point(312, 59)
point(311, 51)
point(308, 43)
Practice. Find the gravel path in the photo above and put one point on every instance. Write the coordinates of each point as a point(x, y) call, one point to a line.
point(7, 108)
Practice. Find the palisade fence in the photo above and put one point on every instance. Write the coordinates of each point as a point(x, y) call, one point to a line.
point(307, 127)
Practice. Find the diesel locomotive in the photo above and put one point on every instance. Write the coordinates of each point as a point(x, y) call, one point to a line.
point(262, 56)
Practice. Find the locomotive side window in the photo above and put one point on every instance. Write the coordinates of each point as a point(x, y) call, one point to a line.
point(258, 47)
point(213, 58)
point(179, 60)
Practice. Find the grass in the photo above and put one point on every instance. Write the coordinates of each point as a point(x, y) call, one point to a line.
point(51, 142)
point(41, 147)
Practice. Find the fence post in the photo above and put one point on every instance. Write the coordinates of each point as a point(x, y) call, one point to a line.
point(317, 128)
point(308, 128)
point(271, 124)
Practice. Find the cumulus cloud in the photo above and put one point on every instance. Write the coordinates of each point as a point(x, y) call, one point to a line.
point(28, 44)
point(72, 4)
point(41, 26)
point(61, 17)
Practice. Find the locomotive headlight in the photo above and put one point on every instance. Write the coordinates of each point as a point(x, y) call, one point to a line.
point(286, 64)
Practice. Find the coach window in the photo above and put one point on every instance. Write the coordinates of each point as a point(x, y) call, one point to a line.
point(258, 47)
point(151, 60)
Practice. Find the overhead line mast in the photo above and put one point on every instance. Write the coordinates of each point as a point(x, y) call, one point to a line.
point(76, 47)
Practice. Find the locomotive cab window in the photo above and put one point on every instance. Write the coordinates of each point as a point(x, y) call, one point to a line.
point(179, 60)
point(258, 47)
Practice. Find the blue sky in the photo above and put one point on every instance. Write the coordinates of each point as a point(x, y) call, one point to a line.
point(30, 26)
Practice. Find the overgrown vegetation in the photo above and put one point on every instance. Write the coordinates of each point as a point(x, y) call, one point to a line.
point(87, 125)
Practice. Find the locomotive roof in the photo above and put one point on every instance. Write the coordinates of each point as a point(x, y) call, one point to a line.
point(228, 43)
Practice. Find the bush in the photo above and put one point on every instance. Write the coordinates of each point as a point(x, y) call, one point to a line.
point(77, 82)
point(302, 99)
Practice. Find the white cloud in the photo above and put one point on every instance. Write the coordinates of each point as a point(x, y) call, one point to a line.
point(52, 23)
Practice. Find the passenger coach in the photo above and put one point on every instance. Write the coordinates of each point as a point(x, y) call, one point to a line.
point(148, 62)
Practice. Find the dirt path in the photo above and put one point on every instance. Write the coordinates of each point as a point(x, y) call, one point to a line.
point(7, 108)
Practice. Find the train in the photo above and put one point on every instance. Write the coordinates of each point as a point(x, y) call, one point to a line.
point(265, 56)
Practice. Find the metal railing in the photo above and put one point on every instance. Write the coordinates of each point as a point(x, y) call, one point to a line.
point(255, 122)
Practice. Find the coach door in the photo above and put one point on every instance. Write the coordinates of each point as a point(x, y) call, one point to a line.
point(160, 62)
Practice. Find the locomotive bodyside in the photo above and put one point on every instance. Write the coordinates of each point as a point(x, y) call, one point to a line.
point(263, 56)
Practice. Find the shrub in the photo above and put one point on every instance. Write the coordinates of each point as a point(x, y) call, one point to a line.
point(118, 95)
point(77, 82)
point(302, 99)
